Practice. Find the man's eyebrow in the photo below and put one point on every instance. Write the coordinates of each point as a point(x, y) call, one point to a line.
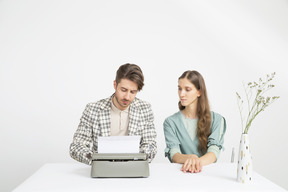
point(127, 89)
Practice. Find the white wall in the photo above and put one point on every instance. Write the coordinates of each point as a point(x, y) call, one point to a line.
point(56, 56)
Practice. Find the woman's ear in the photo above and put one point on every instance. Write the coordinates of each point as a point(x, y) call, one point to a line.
point(199, 93)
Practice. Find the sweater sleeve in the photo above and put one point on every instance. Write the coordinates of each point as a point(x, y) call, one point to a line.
point(216, 138)
point(172, 142)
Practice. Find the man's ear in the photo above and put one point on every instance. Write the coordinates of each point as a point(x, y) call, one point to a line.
point(115, 84)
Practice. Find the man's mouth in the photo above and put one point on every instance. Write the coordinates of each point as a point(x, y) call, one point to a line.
point(125, 102)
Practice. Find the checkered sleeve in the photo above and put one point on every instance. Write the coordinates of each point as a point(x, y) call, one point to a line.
point(81, 147)
point(148, 142)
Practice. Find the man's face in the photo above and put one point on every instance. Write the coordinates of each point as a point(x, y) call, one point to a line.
point(125, 92)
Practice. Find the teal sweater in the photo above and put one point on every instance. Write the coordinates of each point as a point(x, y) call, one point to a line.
point(179, 140)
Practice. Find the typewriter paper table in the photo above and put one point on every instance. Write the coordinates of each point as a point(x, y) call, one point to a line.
point(163, 177)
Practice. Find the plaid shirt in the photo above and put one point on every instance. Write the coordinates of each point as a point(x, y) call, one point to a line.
point(95, 122)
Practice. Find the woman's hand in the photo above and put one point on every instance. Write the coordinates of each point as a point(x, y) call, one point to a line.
point(192, 164)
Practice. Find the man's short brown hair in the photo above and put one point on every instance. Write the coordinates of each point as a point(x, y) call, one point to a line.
point(131, 72)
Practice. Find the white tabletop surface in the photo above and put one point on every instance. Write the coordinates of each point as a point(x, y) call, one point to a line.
point(163, 177)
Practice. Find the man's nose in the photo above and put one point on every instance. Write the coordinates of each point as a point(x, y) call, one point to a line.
point(127, 95)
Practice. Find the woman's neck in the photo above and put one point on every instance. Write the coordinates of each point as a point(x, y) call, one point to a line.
point(189, 113)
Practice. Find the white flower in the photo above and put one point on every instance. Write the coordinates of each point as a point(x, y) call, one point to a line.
point(255, 100)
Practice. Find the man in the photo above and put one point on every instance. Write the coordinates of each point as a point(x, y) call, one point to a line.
point(120, 114)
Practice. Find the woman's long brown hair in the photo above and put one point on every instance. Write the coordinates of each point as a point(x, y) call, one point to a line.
point(203, 108)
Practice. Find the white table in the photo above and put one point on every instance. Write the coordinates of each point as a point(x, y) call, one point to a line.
point(163, 177)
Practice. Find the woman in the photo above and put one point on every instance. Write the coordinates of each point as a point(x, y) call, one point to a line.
point(194, 135)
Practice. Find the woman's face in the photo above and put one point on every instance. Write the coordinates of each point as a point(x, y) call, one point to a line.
point(188, 94)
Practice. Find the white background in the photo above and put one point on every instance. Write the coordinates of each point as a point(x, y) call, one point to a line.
point(57, 56)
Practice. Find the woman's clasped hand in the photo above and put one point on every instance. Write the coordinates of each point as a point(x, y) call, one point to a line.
point(193, 164)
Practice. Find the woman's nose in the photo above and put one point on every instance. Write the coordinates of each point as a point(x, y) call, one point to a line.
point(182, 93)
